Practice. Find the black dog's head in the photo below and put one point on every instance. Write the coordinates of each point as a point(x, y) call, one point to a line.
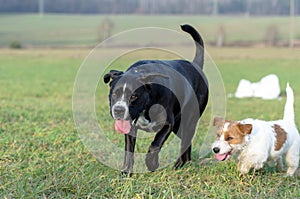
point(129, 96)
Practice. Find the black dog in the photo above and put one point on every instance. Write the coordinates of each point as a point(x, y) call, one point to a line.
point(159, 96)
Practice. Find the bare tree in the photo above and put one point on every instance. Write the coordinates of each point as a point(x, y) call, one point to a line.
point(220, 37)
point(292, 23)
point(41, 7)
point(105, 29)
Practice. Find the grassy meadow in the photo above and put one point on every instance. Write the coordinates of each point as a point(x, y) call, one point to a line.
point(42, 156)
point(41, 153)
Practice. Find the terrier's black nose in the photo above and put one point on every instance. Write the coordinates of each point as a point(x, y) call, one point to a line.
point(216, 149)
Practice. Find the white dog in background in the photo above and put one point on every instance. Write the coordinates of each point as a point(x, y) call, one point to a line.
point(267, 88)
point(257, 141)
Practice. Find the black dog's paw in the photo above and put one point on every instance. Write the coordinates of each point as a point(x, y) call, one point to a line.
point(152, 161)
point(126, 170)
point(126, 174)
point(179, 163)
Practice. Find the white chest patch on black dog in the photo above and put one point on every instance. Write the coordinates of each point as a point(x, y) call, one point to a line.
point(145, 124)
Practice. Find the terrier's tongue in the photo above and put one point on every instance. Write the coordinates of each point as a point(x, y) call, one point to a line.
point(122, 126)
point(221, 157)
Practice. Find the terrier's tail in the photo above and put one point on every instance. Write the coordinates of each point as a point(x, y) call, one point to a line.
point(289, 114)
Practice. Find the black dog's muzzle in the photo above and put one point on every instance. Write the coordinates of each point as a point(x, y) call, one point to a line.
point(119, 112)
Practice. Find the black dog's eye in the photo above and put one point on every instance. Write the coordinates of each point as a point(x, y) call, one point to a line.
point(133, 98)
point(114, 94)
point(229, 138)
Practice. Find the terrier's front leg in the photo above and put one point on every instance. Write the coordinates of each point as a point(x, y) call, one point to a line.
point(244, 165)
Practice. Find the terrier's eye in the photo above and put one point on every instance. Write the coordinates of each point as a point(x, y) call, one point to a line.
point(229, 138)
point(133, 98)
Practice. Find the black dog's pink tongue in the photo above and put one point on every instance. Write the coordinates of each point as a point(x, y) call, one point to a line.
point(122, 126)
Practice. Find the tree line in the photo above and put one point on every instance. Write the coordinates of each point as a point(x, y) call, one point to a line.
point(206, 7)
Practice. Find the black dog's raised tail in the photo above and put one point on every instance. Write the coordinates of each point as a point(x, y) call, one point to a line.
point(199, 57)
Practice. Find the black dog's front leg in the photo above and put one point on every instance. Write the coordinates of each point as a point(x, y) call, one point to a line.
point(129, 154)
point(156, 145)
point(185, 157)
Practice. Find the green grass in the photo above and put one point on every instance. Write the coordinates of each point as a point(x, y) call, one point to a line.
point(61, 30)
point(42, 156)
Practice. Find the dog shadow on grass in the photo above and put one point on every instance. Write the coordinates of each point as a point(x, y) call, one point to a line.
point(268, 169)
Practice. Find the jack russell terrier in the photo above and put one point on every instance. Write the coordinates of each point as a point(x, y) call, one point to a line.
point(257, 141)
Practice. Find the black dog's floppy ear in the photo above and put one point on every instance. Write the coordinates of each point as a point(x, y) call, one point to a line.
point(147, 78)
point(111, 75)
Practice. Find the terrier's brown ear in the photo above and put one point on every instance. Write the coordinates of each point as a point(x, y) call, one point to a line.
point(218, 121)
point(245, 128)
